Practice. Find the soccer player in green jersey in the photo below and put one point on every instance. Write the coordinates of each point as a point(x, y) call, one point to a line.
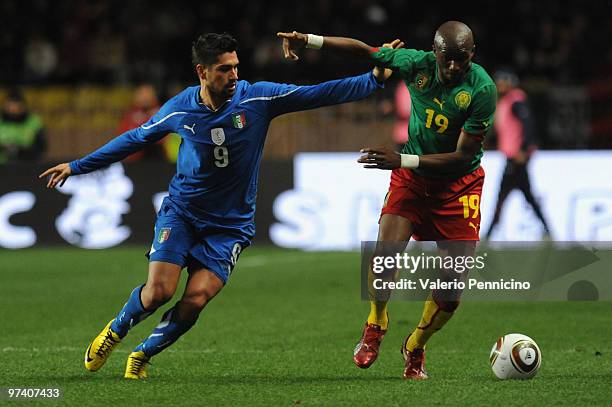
point(436, 182)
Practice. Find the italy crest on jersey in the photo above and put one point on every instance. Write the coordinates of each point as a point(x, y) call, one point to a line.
point(164, 234)
point(463, 99)
point(239, 120)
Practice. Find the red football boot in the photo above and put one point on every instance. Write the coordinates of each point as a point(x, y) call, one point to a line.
point(415, 363)
point(366, 350)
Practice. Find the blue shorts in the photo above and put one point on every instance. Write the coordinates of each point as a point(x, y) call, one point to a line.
point(181, 242)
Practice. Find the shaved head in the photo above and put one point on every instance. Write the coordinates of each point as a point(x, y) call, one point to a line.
point(454, 49)
point(454, 37)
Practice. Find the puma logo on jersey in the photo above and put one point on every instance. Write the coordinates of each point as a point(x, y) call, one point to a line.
point(470, 224)
point(439, 103)
point(190, 128)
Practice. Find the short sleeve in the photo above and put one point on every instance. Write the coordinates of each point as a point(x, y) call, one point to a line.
point(483, 111)
point(400, 60)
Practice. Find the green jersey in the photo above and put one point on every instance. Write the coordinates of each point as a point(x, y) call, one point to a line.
point(439, 112)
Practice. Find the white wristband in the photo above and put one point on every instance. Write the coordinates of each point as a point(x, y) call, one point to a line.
point(314, 41)
point(409, 161)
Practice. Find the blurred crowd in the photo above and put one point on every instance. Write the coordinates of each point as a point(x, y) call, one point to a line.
point(119, 42)
point(22, 134)
point(146, 46)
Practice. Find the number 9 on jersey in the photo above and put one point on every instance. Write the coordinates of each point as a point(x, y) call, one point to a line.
point(221, 156)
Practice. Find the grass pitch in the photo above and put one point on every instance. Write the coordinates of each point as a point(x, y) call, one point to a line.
point(281, 333)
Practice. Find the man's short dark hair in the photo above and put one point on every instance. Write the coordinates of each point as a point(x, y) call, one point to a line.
point(207, 48)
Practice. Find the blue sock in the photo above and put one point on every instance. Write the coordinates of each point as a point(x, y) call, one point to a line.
point(165, 334)
point(132, 313)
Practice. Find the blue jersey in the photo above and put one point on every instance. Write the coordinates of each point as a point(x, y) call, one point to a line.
point(219, 156)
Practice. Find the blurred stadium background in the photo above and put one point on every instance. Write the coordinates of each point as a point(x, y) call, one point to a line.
point(92, 69)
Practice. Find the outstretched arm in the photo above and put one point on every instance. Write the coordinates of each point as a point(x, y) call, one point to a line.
point(162, 123)
point(290, 98)
point(284, 98)
point(115, 150)
point(295, 41)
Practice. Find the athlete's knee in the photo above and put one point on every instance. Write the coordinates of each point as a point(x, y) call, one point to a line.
point(191, 306)
point(447, 305)
point(394, 228)
point(446, 300)
point(155, 294)
point(200, 298)
point(194, 302)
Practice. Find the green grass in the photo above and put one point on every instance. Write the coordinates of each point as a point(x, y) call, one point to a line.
point(281, 333)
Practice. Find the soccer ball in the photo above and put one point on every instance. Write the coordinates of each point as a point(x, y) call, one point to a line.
point(515, 356)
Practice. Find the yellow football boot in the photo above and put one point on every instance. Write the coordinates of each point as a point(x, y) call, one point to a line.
point(100, 349)
point(136, 367)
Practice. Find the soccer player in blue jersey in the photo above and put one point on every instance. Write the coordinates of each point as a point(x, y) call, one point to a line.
point(208, 217)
